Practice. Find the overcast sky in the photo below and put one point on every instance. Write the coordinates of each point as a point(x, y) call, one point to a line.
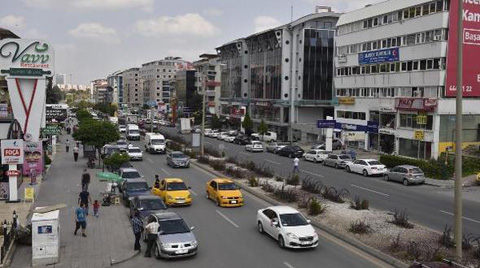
point(93, 38)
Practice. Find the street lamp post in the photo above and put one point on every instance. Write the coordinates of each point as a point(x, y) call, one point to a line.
point(202, 137)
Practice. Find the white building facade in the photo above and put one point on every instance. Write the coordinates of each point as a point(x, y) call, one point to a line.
point(390, 77)
point(208, 81)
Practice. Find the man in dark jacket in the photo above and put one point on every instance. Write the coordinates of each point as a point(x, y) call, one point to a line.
point(85, 180)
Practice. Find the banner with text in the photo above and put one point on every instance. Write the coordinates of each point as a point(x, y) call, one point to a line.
point(379, 56)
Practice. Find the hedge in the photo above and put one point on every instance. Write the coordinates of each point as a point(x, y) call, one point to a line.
point(435, 169)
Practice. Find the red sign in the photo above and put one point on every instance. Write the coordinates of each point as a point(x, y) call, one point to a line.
point(415, 104)
point(12, 173)
point(471, 50)
point(11, 152)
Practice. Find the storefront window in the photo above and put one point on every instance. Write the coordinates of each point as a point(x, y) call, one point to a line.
point(387, 120)
point(412, 121)
point(471, 128)
point(415, 148)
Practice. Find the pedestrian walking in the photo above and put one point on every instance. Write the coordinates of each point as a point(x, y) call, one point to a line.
point(75, 153)
point(295, 165)
point(85, 180)
point(137, 227)
point(152, 232)
point(80, 219)
point(156, 184)
point(84, 198)
point(67, 145)
point(96, 207)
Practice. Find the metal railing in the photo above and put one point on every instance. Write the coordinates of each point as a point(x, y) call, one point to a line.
point(9, 235)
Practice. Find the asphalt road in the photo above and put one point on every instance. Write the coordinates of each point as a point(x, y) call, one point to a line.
point(427, 205)
point(228, 236)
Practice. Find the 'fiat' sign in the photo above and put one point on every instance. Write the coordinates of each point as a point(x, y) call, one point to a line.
point(12, 152)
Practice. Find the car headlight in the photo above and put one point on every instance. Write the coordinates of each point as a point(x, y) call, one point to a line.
point(223, 197)
point(315, 235)
point(165, 245)
point(292, 236)
point(169, 197)
point(194, 243)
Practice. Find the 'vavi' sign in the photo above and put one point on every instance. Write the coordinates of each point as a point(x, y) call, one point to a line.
point(379, 56)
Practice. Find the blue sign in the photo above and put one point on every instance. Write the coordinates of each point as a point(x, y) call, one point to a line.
point(351, 127)
point(379, 56)
point(326, 123)
point(372, 126)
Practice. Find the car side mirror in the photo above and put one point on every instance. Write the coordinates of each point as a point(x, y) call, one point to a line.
point(192, 228)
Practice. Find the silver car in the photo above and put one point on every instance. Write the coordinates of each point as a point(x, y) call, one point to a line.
point(175, 238)
point(178, 159)
point(405, 174)
point(337, 160)
point(274, 147)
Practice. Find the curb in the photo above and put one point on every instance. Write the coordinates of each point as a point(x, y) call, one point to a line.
point(352, 241)
point(114, 262)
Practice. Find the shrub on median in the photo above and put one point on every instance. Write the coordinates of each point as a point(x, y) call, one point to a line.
point(400, 218)
point(360, 227)
point(218, 165)
point(289, 195)
point(315, 207)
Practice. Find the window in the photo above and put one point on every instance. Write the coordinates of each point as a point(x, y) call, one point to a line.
point(423, 65)
point(425, 10)
point(429, 64)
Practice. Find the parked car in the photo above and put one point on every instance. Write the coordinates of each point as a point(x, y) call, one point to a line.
point(146, 205)
point(207, 132)
point(135, 153)
point(337, 160)
point(254, 146)
point(133, 187)
point(315, 155)
point(366, 167)
point(405, 174)
point(175, 239)
point(122, 128)
point(222, 136)
point(224, 192)
point(214, 134)
point(173, 191)
point(336, 145)
point(288, 226)
point(233, 133)
point(274, 146)
point(129, 173)
point(241, 140)
point(108, 150)
point(291, 151)
point(178, 159)
point(229, 138)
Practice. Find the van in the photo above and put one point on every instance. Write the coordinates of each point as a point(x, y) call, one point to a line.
point(154, 143)
point(133, 132)
point(268, 136)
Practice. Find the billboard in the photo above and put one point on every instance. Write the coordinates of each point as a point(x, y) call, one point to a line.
point(56, 111)
point(379, 56)
point(471, 50)
point(33, 158)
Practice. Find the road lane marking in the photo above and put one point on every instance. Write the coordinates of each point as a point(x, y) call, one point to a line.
point(166, 172)
point(191, 191)
point(288, 265)
point(366, 189)
point(150, 160)
point(273, 162)
point(227, 219)
point(311, 173)
point(465, 218)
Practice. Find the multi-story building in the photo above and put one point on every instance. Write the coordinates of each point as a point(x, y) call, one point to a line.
point(391, 76)
point(283, 75)
point(208, 80)
point(115, 81)
point(155, 77)
point(184, 89)
point(132, 88)
point(100, 91)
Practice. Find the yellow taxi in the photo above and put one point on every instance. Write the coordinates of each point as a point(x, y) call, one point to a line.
point(173, 191)
point(224, 192)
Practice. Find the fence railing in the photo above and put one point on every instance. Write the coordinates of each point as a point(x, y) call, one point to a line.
point(9, 235)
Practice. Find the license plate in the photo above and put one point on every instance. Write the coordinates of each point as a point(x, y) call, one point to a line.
point(306, 243)
point(233, 201)
point(181, 201)
point(181, 251)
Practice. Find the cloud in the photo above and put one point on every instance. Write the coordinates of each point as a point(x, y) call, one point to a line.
point(95, 31)
point(95, 5)
point(11, 22)
point(214, 12)
point(188, 24)
point(263, 23)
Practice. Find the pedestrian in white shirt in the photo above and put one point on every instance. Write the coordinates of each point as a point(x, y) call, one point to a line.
point(152, 232)
point(295, 165)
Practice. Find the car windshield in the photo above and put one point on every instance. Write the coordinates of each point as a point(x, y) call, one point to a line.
point(152, 204)
point(344, 157)
point(137, 186)
point(415, 170)
point(121, 143)
point(293, 219)
point(373, 163)
point(178, 156)
point(134, 150)
point(176, 226)
point(227, 186)
point(158, 142)
point(131, 174)
point(176, 186)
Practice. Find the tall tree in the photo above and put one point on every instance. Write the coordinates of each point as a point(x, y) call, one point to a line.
point(54, 94)
point(96, 133)
point(216, 123)
point(262, 128)
point(248, 124)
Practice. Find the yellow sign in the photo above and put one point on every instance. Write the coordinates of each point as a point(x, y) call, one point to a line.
point(346, 100)
point(29, 194)
point(419, 135)
point(421, 119)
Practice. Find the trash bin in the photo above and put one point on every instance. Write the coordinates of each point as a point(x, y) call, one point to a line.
point(45, 238)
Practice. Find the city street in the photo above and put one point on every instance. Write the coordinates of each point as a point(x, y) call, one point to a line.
point(428, 205)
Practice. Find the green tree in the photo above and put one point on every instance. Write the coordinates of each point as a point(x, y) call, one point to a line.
point(216, 123)
point(96, 133)
point(262, 128)
point(54, 94)
point(116, 160)
point(248, 124)
point(106, 108)
point(83, 115)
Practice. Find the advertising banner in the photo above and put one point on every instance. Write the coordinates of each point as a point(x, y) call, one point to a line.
point(471, 50)
point(415, 104)
point(56, 111)
point(326, 123)
point(351, 127)
point(33, 158)
point(12, 152)
point(379, 56)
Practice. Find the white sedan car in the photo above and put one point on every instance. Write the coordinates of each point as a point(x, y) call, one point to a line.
point(222, 136)
point(315, 155)
point(254, 146)
point(135, 153)
point(229, 138)
point(366, 167)
point(288, 226)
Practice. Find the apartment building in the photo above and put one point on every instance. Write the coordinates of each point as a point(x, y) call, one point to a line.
point(132, 88)
point(115, 81)
point(208, 80)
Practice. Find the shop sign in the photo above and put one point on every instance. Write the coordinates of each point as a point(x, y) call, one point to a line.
point(12, 173)
point(386, 131)
point(26, 58)
point(55, 111)
point(351, 127)
point(4, 111)
point(346, 100)
point(12, 152)
point(372, 126)
point(29, 193)
point(415, 104)
point(326, 123)
point(421, 119)
point(379, 56)
point(471, 49)
point(51, 130)
point(419, 135)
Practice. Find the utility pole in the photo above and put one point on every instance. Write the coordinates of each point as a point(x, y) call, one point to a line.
point(202, 137)
point(458, 136)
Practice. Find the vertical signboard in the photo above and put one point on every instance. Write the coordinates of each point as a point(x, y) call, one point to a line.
point(12, 152)
point(471, 49)
point(33, 162)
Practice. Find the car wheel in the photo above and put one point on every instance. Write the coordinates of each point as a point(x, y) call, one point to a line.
point(260, 228)
point(315, 160)
point(405, 182)
point(365, 173)
point(156, 251)
point(336, 166)
point(348, 169)
point(281, 242)
point(386, 178)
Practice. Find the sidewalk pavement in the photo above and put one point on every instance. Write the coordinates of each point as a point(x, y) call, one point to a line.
point(109, 237)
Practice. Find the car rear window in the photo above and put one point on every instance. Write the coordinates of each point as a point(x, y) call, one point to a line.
point(416, 170)
point(373, 163)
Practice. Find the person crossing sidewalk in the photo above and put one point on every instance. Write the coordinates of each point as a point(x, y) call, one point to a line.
point(80, 219)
